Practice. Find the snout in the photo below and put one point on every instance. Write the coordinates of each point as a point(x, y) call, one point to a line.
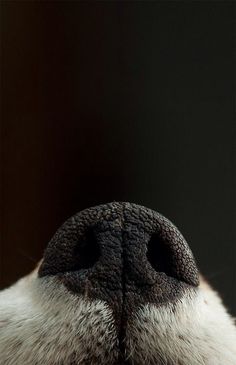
point(121, 253)
point(117, 285)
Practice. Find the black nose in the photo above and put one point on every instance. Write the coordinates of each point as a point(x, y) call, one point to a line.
point(121, 253)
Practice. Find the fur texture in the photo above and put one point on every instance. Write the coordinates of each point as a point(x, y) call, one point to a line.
point(42, 322)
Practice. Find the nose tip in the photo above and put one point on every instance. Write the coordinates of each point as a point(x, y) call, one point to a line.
point(119, 248)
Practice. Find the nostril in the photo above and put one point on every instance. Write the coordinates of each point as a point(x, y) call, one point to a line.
point(160, 256)
point(87, 252)
point(169, 253)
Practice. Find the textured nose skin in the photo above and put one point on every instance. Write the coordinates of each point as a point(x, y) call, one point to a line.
point(122, 253)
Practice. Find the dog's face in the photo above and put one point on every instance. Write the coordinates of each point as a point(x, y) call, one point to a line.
point(117, 285)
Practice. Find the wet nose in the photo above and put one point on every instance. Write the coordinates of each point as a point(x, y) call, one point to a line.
point(122, 253)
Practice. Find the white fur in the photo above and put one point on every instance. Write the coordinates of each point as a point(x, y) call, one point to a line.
point(195, 330)
point(41, 323)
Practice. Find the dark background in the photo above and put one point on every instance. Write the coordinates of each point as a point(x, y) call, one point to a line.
point(107, 101)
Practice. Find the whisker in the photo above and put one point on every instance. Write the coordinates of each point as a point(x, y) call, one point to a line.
point(27, 256)
point(217, 273)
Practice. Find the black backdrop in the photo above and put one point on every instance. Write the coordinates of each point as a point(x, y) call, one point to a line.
point(122, 101)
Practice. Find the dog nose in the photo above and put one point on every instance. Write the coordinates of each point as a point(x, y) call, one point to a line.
point(122, 253)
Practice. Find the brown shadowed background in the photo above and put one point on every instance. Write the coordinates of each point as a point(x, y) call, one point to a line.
point(130, 101)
